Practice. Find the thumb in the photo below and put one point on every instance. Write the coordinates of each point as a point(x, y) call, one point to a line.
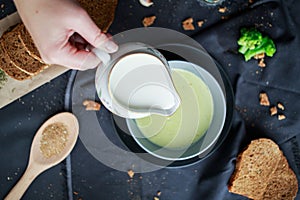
point(93, 35)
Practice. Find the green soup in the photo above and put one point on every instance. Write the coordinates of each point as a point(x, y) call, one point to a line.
point(190, 121)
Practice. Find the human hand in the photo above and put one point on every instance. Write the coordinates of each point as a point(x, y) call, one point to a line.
point(62, 30)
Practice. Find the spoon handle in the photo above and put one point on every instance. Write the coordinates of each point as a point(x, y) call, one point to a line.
point(19, 189)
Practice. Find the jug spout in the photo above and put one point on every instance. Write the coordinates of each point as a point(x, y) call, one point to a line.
point(171, 110)
point(153, 98)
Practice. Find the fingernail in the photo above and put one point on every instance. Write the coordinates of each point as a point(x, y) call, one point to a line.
point(111, 46)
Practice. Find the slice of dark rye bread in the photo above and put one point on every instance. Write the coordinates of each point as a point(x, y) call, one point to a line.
point(262, 172)
point(28, 43)
point(102, 12)
point(10, 69)
point(18, 54)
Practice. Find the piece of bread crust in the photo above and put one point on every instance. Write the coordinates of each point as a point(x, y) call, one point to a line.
point(102, 12)
point(262, 172)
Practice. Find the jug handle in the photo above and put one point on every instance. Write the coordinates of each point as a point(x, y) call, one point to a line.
point(102, 55)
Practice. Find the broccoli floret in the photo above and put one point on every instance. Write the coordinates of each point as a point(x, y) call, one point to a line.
point(252, 42)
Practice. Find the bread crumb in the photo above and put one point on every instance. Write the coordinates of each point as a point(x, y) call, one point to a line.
point(91, 105)
point(273, 110)
point(200, 23)
point(158, 193)
point(130, 173)
point(222, 9)
point(224, 17)
point(148, 21)
point(262, 63)
point(264, 100)
point(281, 117)
point(280, 106)
point(259, 56)
point(188, 24)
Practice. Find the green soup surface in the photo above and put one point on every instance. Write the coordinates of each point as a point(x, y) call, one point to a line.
point(190, 121)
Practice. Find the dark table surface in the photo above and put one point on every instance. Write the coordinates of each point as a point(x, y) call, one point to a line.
point(82, 176)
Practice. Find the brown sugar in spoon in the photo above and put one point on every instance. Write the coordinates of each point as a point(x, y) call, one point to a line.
point(52, 143)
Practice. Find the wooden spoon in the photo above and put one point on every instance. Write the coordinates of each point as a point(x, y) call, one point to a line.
point(37, 161)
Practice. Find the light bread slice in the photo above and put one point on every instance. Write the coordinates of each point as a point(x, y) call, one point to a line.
point(28, 43)
point(10, 69)
point(102, 12)
point(18, 53)
point(262, 172)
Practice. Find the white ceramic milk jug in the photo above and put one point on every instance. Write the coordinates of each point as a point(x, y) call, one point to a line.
point(135, 82)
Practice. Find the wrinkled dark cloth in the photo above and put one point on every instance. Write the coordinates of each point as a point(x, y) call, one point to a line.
point(208, 178)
